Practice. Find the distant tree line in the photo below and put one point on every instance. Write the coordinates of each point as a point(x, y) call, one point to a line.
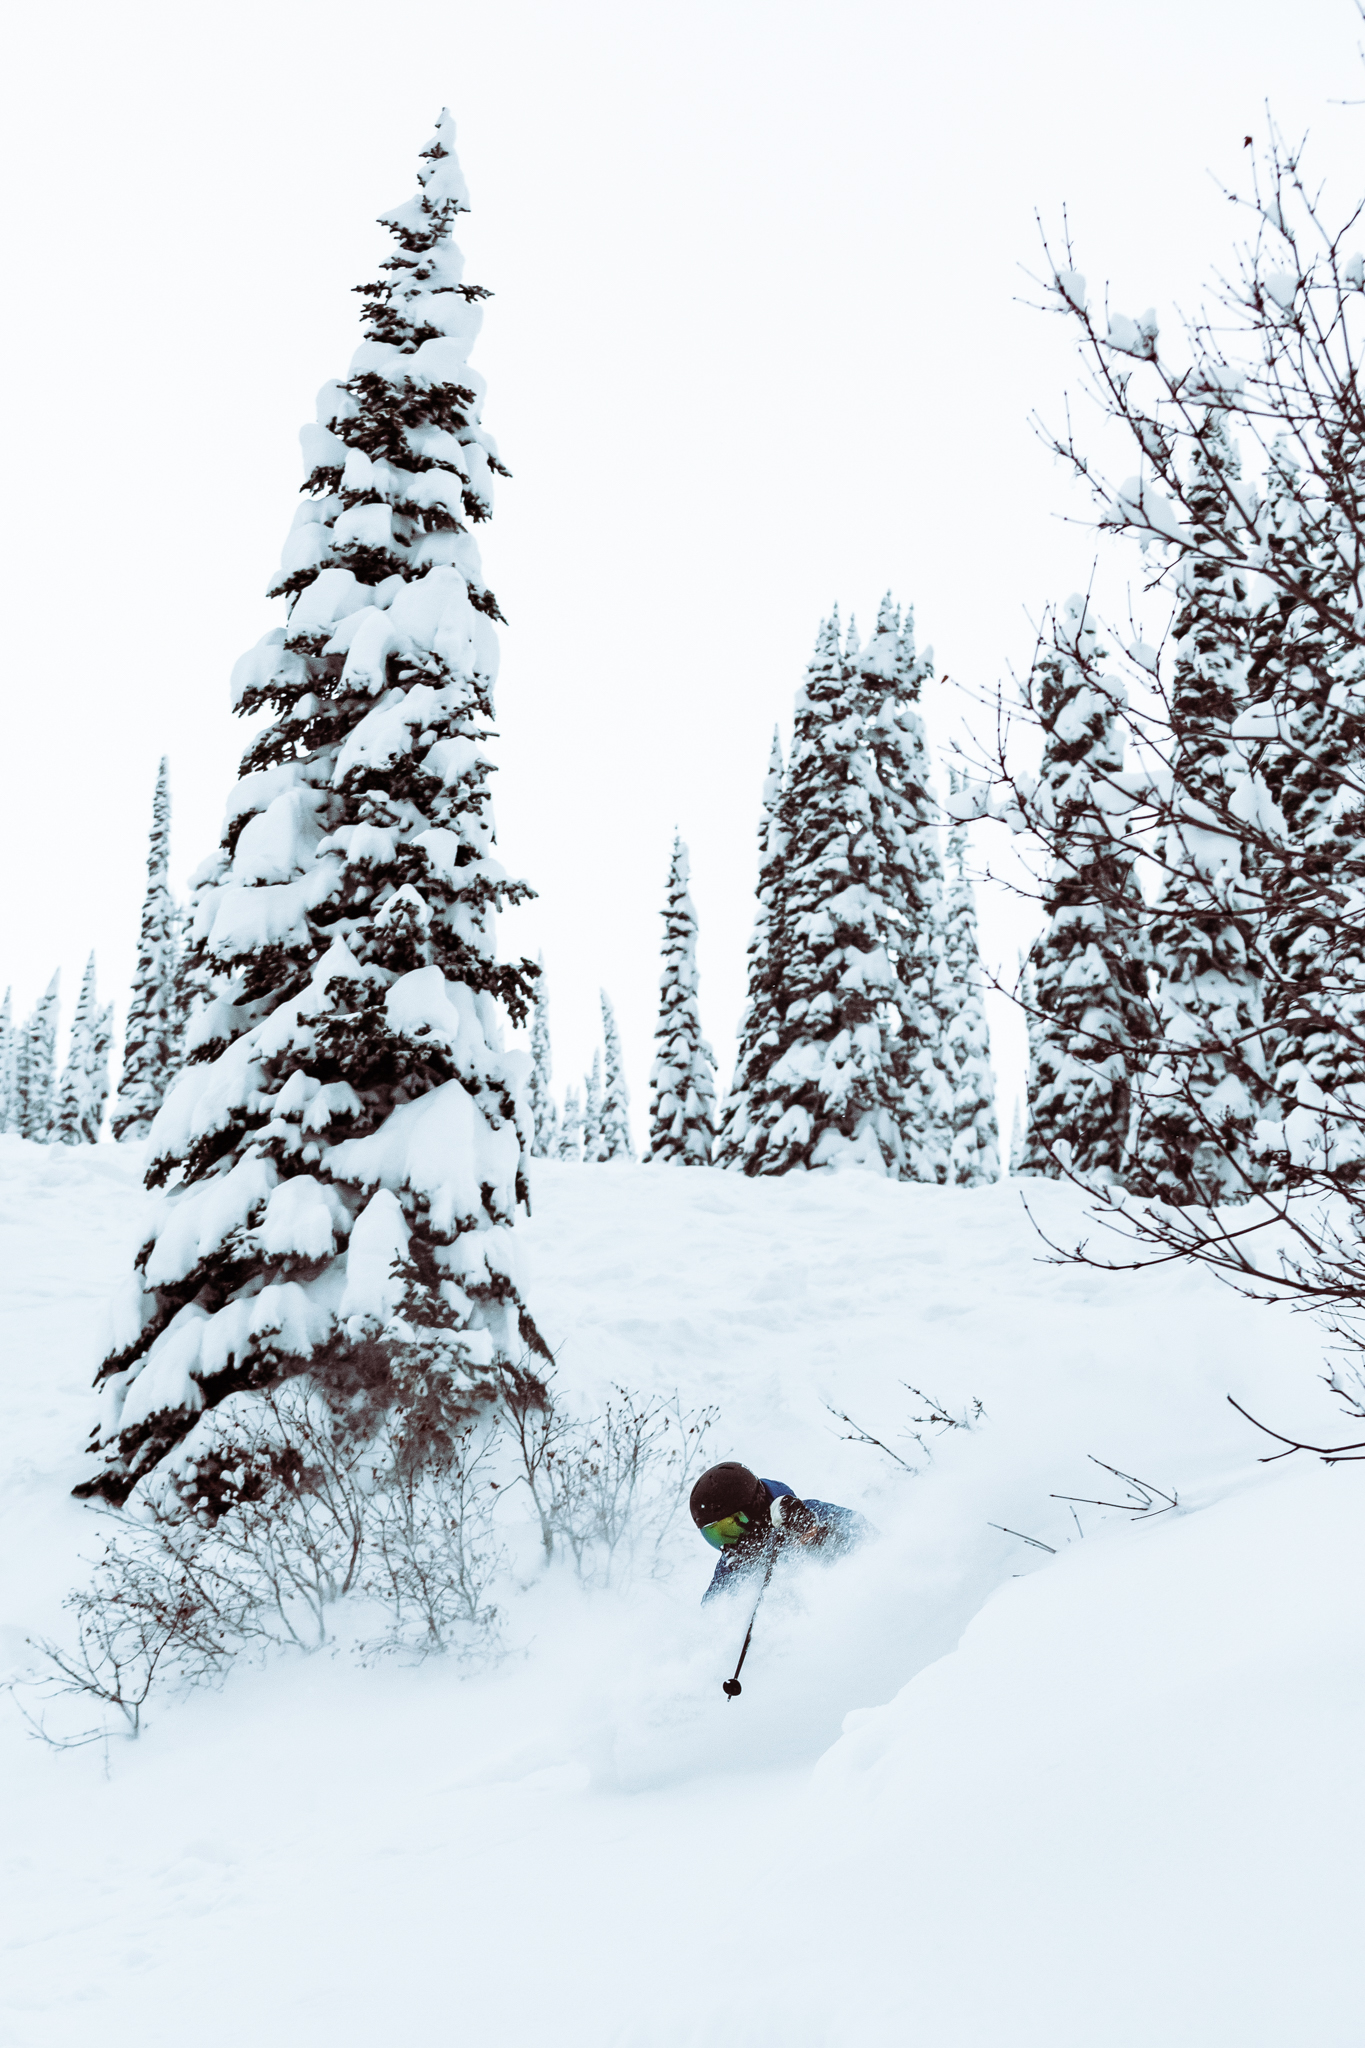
point(67, 1107)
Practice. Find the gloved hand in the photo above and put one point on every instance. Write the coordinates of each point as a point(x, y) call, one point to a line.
point(795, 1521)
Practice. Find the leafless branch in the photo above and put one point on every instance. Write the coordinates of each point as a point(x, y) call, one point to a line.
point(1331, 1454)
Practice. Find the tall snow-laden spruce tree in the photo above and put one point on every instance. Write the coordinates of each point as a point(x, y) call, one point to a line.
point(149, 1027)
point(891, 676)
point(35, 1066)
point(1313, 685)
point(682, 1116)
point(1089, 968)
point(9, 1105)
point(614, 1141)
point(592, 1112)
point(758, 1022)
point(1208, 1084)
point(342, 1159)
point(826, 1092)
point(541, 1103)
point(569, 1145)
point(966, 1043)
point(84, 1087)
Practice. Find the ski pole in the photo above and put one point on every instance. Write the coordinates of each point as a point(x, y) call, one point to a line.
point(731, 1687)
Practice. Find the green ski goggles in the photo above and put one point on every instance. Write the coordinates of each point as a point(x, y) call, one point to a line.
point(725, 1532)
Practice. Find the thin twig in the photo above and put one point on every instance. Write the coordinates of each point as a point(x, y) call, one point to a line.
point(1022, 1537)
point(1140, 1507)
point(1331, 1454)
point(865, 1436)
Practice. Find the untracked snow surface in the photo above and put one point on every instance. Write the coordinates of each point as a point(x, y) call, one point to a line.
point(975, 1794)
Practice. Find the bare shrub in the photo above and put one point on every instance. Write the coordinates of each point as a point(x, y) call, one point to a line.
point(280, 1512)
point(270, 1524)
point(608, 1491)
point(938, 1417)
point(138, 1622)
point(432, 1557)
point(275, 1516)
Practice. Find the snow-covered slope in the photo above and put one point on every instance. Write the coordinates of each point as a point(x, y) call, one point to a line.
point(973, 1792)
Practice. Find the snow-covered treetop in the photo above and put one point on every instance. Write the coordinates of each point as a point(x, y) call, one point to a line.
point(884, 656)
point(397, 465)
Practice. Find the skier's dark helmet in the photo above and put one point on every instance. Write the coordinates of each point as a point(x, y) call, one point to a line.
point(729, 1503)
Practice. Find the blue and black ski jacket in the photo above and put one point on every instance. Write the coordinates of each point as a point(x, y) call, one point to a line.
point(846, 1527)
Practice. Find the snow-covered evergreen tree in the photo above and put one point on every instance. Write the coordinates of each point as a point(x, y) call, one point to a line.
point(1315, 687)
point(758, 1022)
point(544, 1115)
point(966, 1042)
point(1089, 964)
point(892, 676)
point(1208, 1085)
point(68, 1100)
point(826, 1092)
point(35, 1064)
point(84, 1087)
point(615, 1140)
point(569, 1145)
point(182, 988)
point(682, 1116)
point(343, 1154)
point(1016, 1138)
point(9, 1105)
point(592, 1112)
point(101, 1049)
point(1026, 995)
point(149, 1029)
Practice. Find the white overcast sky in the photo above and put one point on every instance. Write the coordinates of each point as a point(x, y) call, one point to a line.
point(756, 347)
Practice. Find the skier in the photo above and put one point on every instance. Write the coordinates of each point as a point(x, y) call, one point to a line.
point(751, 1520)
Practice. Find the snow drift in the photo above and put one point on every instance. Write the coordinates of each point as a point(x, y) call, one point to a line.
point(974, 1792)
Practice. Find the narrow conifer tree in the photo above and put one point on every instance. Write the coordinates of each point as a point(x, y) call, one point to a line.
point(976, 1134)
point(35, 1067)
point(592, 1112)
point(1016, 1139)
point(182, 992)
point(148, 1028)
point(1208, 1086)
point(570, 1142)
point(1301, 669)
point(344, 1149)
point(97, 1092)
point(826, 1092)
point(84, 1087)
point(9, 1107)
point(682, 1117)
point(1026, 995)
point(615, 1140)
point(544, 1116)
point(758, 1022)
point(891, 675)
point(1089, 964)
